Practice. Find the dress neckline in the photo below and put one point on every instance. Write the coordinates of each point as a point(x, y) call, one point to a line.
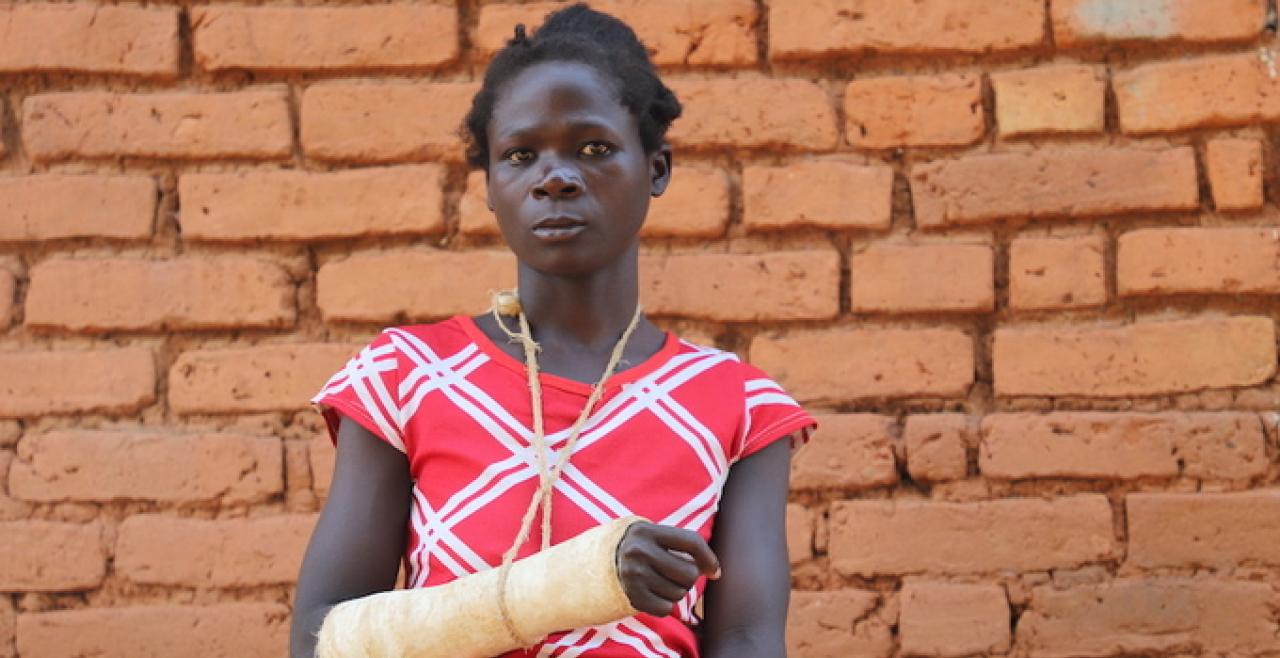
point(670, 346)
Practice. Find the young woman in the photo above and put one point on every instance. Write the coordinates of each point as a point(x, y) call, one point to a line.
point(433, 422)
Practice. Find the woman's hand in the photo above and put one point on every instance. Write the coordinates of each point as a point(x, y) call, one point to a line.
point(659, 564)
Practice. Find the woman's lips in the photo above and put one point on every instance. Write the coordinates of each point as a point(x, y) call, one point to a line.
point(558, 229)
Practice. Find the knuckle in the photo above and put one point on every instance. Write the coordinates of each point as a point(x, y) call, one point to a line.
point(633, 551)
point(629, 571)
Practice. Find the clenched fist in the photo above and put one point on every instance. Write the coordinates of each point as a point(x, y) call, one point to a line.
point(659, 564)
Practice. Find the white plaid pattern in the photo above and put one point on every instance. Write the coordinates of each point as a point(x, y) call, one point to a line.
point(449, 376)
point(361, 375)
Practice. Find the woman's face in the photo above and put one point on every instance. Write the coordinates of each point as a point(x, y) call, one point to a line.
point(569, 179)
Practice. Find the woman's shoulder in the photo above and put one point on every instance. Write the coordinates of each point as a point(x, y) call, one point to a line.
point(766, 410)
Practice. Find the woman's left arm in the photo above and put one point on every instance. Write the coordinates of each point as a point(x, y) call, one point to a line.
point(746, 609)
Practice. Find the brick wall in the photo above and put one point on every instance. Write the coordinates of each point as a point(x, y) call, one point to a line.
point(1022, 255)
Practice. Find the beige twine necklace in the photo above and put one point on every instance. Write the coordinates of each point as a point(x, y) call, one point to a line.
point(507, 303)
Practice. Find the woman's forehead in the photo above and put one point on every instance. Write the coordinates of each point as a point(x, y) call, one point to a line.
point(557, 94)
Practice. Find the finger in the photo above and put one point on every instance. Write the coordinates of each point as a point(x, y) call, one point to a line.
point(676, 566)
point(690, 542)
point(665, 589)
point(679, 568)
point(642, 564)
point(642, 598)
point(646, 601)
point(646, 589)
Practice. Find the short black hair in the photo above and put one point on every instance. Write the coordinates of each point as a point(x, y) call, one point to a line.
point(577, 34)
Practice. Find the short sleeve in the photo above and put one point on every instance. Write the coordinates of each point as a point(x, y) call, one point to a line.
point(366, 390)
point(769, 414)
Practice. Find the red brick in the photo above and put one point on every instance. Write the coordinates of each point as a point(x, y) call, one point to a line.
point(415, 284)
point(44, 556)
point(799, 533)
point(941, 110)
point(1022, 534)
point(1054, 182)
point(39, 382)
point(951, 620)
point(858, 364)
point(1199, 260)
point(10, 510)
point(188, 125)
point(89, 37)
point(227, 630)
point(1235, 173)
point(475, 218)
point(186, 293)
point(1220, 90)
point(322, 455)
point(105, 466)
point(1218, 531)
point(891, 278)
point(295, 205)
point(936, 447)
point(268, 377)
point(821, 193)
point(676, 32)
point(1212, 446)
point(833, 27)
point(1081, 22)
point(1050, 273)
point(1149, 617)
point(695, 205)
point(53, 206)
point(836, 624)
point(852, 452)
point(298, 493)
point(8, 288)
point(396, 35)
point(1135, 359)
point(385, 121)
point(744, 113)
point(1053, 99)
point(8, 625)
point(297, 467)
point(223, 553)
point(779, 285)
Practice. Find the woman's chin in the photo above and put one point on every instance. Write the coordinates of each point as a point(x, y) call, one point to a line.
point(567, 262)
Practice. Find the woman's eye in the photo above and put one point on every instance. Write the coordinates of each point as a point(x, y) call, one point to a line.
point(596, 149)
point(518, 156)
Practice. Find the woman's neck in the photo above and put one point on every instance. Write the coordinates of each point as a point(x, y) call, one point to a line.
point(589, 311)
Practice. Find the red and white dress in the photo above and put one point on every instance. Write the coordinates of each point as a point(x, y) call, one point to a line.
point(659, 444)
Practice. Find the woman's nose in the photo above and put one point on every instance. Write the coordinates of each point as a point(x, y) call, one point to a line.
point(560, 182)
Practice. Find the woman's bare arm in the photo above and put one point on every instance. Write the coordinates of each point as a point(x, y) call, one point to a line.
point(746, 609)
point(357, 544)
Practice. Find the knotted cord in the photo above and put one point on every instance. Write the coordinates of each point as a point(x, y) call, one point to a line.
point(507, 303)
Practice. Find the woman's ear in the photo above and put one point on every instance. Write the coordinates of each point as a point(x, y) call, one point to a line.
point(660, 170)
